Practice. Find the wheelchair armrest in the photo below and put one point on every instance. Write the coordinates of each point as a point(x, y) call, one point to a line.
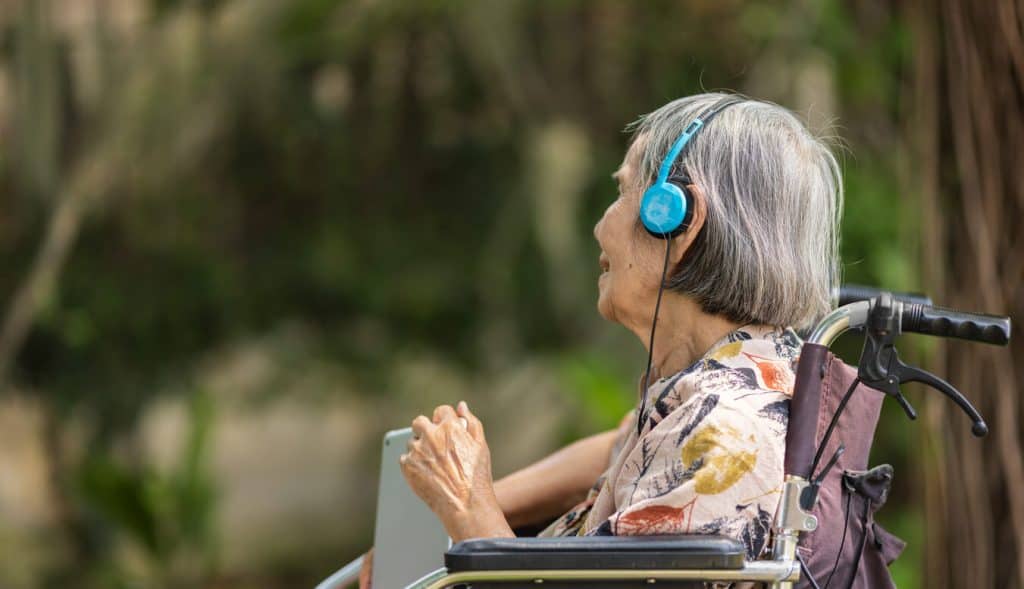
point(596, 553)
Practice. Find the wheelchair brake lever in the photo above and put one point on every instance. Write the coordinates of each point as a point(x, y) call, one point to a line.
point(881, 369)
point(888, 375)
point(879, 361)
point(905, 404)
point(907, 373)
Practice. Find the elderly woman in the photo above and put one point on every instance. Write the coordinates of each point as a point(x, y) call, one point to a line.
point(754, 257)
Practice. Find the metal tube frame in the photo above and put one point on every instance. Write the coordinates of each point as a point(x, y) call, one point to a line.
point(768, 571)
point(344, 576)
point(838, 322)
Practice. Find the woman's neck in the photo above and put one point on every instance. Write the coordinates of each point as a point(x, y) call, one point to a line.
point(684, 334)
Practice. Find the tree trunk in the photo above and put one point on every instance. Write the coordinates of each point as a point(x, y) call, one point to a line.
point(967, 126)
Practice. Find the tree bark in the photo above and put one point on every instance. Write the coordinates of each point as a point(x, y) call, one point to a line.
point(967, 127)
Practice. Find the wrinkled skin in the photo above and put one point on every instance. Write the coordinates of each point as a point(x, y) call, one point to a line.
point(448, 464)
point(631, 261)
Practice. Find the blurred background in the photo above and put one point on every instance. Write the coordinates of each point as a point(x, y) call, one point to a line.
point(241, 239)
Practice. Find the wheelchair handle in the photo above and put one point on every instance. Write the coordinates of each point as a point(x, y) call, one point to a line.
point(803, 411)
point(938, 321)
point(913, 318)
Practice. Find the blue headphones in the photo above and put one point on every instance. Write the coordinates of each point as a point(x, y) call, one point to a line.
point(667, 206)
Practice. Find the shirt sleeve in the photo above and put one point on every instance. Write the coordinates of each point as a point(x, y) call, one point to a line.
point(571, 523)
point(714, 466)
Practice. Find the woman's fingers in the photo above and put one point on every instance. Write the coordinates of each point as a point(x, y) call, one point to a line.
point(473, 425)
point(423, 428)
point(443, 412)
point(420, 426)
point(448, 464)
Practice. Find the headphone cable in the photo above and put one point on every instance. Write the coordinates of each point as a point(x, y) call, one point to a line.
point(650, 345)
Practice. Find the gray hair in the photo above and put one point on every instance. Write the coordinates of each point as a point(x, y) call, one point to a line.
point(768, 251)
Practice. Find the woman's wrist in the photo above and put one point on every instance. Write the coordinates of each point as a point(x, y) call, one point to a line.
point(478, 519)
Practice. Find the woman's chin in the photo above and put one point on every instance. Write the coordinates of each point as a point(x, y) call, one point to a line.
point(604, 307)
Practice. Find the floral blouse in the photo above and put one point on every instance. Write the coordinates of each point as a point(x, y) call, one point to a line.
point(708, 458)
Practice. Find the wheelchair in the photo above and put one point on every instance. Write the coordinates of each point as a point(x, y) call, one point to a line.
point(823, 533)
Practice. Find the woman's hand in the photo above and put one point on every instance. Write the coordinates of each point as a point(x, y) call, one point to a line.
point(448, 465)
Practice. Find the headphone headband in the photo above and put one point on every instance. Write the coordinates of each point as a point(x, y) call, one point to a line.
point(702, 119)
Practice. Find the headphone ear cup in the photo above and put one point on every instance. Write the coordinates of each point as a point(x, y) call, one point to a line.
point(688, 208)
point(665, 210)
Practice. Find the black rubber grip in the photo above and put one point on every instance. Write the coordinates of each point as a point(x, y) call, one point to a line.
point(976, 327)
point(851, 293)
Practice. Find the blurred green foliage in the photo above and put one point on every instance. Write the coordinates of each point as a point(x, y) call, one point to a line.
point(370, 169)
point(169, 515)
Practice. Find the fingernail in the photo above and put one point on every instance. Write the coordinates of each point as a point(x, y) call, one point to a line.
point(463, 406)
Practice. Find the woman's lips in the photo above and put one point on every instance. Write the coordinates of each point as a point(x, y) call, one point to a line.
point(603, 261)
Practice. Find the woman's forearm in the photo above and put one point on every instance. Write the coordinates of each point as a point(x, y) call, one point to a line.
point(550, 487)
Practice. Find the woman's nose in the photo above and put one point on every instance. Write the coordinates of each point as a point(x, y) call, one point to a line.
point(600, 222)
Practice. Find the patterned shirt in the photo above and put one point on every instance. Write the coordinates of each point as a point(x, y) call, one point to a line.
point(708, 458)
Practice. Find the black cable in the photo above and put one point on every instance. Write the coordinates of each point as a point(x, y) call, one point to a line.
point(842, 542)
point(807, 571)
point(832, 425)
point(832, 462)
point(863, 541)
point(650, 345)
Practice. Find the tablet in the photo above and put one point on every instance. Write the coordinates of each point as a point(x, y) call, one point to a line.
point(409, 541)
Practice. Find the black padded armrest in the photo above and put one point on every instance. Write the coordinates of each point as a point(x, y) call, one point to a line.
point(596, 552)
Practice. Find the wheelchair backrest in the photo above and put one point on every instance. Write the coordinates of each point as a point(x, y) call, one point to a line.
point(850, 493)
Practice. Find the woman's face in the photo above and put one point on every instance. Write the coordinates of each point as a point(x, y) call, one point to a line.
point(630, 263)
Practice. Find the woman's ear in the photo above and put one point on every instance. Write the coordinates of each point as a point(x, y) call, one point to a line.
point(683, 241)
